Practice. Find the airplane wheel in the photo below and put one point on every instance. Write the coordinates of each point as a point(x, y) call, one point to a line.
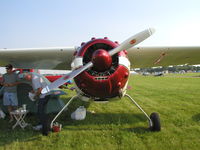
point(156, 122)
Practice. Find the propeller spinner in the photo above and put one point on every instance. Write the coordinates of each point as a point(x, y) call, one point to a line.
point(101, 60)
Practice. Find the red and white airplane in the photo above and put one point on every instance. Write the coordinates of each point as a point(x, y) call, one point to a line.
point(100, 67)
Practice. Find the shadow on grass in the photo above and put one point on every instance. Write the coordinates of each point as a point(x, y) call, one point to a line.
point(105, 119)
point(97, 121)
point(196, 117)
point(100, 121)
point(138, 130)
point(109, 121)
point(9, 135)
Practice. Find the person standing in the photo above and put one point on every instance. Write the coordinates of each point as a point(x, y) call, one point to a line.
point(38, 83)
point(10, 82)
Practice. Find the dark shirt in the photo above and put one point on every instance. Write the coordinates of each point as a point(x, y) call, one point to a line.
point(10, 78)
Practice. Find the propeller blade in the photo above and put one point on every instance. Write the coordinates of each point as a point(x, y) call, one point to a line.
point(65, 78)
point(132, 41)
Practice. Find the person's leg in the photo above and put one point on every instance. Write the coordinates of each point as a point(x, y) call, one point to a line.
point(40, 111)
point(7, 103)
point(45, 125)
point(14, 103)
point(10, 109)
point(43, 117)
point(14, 100)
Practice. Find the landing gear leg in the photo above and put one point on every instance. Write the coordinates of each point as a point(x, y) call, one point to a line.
point(154, 120)
point(62, 110)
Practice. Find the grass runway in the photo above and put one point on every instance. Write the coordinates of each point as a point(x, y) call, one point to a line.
point(119, 125)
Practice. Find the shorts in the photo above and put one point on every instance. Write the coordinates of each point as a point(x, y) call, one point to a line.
point(10, 99)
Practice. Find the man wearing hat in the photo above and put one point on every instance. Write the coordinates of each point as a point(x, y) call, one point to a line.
point(10, 82)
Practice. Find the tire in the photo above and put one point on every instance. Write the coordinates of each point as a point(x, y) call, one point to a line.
point(156, 122)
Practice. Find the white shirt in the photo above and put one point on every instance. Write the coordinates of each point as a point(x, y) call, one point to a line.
point(38, 82)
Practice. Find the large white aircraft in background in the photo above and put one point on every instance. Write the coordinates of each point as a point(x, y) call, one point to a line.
point(101, 67)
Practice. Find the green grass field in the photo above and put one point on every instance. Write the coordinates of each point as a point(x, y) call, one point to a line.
point(119, 124)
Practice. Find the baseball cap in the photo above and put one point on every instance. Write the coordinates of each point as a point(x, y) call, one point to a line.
point(9, 66)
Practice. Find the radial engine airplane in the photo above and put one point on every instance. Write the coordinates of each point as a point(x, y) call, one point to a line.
point(101, 67)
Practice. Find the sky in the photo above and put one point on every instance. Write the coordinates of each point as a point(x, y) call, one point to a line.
point(53, 23)
point(50, 23)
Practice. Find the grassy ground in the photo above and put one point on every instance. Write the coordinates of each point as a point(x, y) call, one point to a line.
point(119, 124)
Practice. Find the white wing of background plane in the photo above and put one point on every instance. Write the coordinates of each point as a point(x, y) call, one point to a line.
point(141, 57)
point(61, 57)
point(58, 58)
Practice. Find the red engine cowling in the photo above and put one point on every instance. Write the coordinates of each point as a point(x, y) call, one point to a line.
point(109, 74)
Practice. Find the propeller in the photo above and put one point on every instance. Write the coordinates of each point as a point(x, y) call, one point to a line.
point(130, 42)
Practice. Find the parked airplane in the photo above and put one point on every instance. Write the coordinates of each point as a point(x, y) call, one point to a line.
point(100, 67)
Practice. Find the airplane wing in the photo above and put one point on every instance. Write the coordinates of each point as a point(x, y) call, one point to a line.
point(58, 58)
point(142, 57)
point(61, 57)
